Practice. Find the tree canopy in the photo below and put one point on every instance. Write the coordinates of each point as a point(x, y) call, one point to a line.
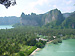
point(7, 3)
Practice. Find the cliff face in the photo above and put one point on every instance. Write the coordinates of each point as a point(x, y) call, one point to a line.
point(69, 22)
point(31, 20)
point(53, 15)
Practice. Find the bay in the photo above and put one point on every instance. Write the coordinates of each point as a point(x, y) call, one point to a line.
point(66, 48)
point(6, 26)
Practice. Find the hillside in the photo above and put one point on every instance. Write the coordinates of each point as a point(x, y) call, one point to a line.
point(52, 19)
point(68, 14)
point(42, 19)
point(31, 20)
point(54, 16)
point(9, 20)
point(69, 22)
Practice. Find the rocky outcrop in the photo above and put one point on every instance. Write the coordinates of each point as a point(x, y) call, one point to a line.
point(9, 20)
point(31, 20)
point(53, 15)
point(69, 22)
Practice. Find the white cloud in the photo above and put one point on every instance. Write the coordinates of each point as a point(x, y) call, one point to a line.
point(31, 7)
point(69, 2)
point(39, 2)
point(68, 9)
point(37, 6)
point(54, 6)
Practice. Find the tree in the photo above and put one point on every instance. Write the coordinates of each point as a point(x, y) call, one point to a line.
point(39, 45)
point(7, 3)
point(31, 41)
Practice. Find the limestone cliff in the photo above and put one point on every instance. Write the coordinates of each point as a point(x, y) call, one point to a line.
point(53, 15)
point(42, 19)
point(31, 20)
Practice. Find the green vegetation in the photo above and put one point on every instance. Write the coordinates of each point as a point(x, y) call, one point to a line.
point(69, 22)
point(53, 19)
point(59, 40)
point(33, 31)
point(21, 40)
point(56, 41)
point(17, 41)
point(68, 37)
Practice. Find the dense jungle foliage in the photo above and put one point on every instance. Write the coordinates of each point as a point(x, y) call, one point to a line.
point(21, 41)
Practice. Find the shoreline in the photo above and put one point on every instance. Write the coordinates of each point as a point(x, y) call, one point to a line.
point(34, 51)
point(49, 42)
point(32, 54)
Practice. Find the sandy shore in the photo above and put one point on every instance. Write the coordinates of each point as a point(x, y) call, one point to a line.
point(34, 52)
point(49, 42)
point(38, 49)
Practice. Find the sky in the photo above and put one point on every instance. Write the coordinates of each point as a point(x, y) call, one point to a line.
point(37, 6)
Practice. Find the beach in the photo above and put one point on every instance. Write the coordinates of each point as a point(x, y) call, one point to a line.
point(38, 49)
point(34, 52)
point(49, 41)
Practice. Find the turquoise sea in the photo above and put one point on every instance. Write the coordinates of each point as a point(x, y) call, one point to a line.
point(66, 48)
point(6, 26)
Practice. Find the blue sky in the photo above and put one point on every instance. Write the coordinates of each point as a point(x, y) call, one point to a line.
point(37, 6)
